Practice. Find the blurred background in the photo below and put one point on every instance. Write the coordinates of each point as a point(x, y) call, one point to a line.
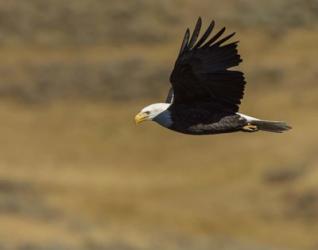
point(75, 171)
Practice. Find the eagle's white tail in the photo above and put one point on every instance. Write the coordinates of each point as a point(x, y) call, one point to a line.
point(271, 126)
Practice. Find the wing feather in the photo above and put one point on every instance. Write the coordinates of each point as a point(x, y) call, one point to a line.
point(185, 41)
point(220, 42)
point(214, 38)
point(205, 35)
point(202, 72)
point(195, 33)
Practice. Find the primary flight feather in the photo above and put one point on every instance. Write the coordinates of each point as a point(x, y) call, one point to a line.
point(206, 93)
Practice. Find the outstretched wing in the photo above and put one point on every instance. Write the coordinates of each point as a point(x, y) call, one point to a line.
point(202, 71)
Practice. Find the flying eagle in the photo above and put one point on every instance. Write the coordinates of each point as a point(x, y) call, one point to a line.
point(206, 93)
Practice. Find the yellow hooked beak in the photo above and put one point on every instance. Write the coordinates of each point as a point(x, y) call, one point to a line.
point(140, 117)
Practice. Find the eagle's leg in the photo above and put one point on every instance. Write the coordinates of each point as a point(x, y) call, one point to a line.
point(250, 128)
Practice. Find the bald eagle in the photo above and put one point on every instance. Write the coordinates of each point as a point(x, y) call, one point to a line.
point(206, 93)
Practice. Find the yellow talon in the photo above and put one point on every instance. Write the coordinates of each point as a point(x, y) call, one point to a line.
point(250, 128)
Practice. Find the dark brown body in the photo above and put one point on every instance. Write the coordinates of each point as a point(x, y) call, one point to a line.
point(202, 121)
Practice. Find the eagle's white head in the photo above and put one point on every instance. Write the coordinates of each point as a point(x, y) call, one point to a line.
point(157, 112)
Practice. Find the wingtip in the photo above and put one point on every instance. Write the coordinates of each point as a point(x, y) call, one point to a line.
point(188, 32)
point(199, 22)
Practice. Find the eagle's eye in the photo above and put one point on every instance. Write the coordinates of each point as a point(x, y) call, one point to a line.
point(147, 112)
